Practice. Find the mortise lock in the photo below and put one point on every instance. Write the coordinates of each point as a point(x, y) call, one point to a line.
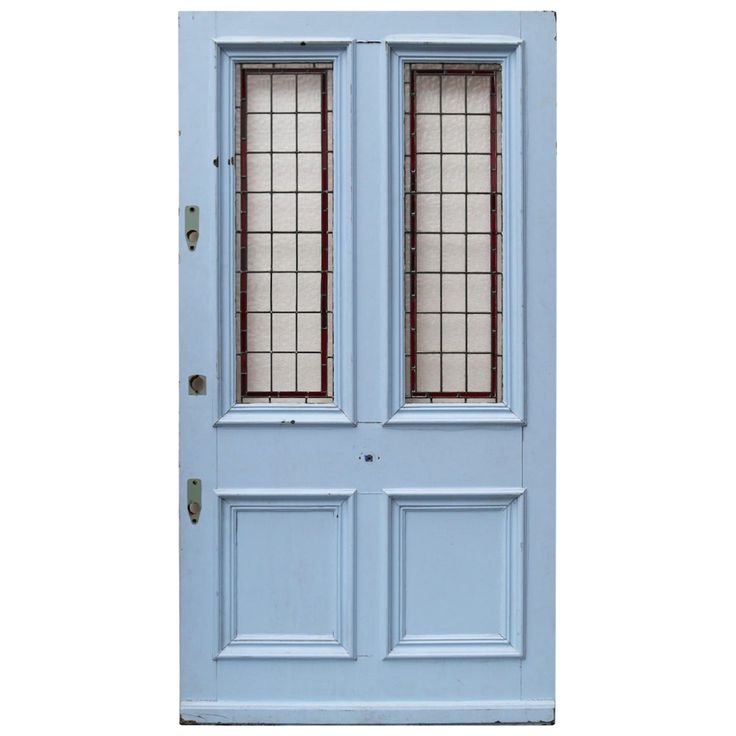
point(191, 225)
point(194, 499)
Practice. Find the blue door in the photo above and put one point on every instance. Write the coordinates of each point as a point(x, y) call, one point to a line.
point(367, 367)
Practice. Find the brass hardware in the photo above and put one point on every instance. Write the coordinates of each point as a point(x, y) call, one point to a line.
point(191, 225)
point(194, 499)
point(197, 385)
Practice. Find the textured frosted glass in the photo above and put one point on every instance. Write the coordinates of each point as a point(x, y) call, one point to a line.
point(283, 172)
point(453, 241)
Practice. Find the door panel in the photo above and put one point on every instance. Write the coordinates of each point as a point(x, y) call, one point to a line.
point(375, 542)
point(456, 572)
point(287, 573)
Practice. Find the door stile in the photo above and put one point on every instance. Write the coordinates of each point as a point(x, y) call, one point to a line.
point(538, 669)
point(198, 351)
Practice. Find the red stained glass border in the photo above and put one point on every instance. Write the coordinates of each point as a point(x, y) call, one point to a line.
point(324, 244)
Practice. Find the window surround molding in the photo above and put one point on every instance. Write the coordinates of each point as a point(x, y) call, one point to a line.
point(505, 51)
point(230, 51)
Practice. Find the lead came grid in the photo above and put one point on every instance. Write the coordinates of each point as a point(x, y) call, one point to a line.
point(284, 191)
point(453, 233)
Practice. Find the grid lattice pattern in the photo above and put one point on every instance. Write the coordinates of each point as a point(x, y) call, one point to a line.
point(453, 233)
point(284, 193)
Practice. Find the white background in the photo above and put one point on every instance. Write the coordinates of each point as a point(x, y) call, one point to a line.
point(88, 283)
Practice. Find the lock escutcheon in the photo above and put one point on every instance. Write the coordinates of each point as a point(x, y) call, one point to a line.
point(194, 499)
point(191, 225)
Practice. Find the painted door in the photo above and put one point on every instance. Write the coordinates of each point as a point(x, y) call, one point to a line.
point(367, 367)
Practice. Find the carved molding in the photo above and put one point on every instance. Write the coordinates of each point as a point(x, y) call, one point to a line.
point(505, 643)
point(233, 645)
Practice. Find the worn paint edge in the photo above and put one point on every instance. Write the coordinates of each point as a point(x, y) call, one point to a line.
point(406, 712)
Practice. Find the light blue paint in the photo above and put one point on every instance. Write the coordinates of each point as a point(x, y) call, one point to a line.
point(433, 610)
point(299, 599)
point(340, 54)
point(505, 51)
point(317, 587)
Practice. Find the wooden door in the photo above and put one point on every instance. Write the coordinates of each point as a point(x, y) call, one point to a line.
point(367, 367)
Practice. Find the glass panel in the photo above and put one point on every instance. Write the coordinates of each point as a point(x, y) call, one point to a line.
point(453, 233)
point(283, 254)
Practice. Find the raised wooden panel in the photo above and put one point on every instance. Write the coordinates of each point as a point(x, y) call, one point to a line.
point(286, 573)
point(455, 567)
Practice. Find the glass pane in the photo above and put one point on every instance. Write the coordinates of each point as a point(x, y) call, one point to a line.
point(453, 233)
point(283, 172)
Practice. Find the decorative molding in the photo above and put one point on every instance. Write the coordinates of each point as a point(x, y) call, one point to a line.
point(454, 414)
point(306, 414)
point(229, 52)
point(278, 44)
point(490, 42)
point(505, 643)
point(230, 644)
point(507, 52)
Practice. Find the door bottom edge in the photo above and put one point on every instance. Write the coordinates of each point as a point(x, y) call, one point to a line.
point(377, 712)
